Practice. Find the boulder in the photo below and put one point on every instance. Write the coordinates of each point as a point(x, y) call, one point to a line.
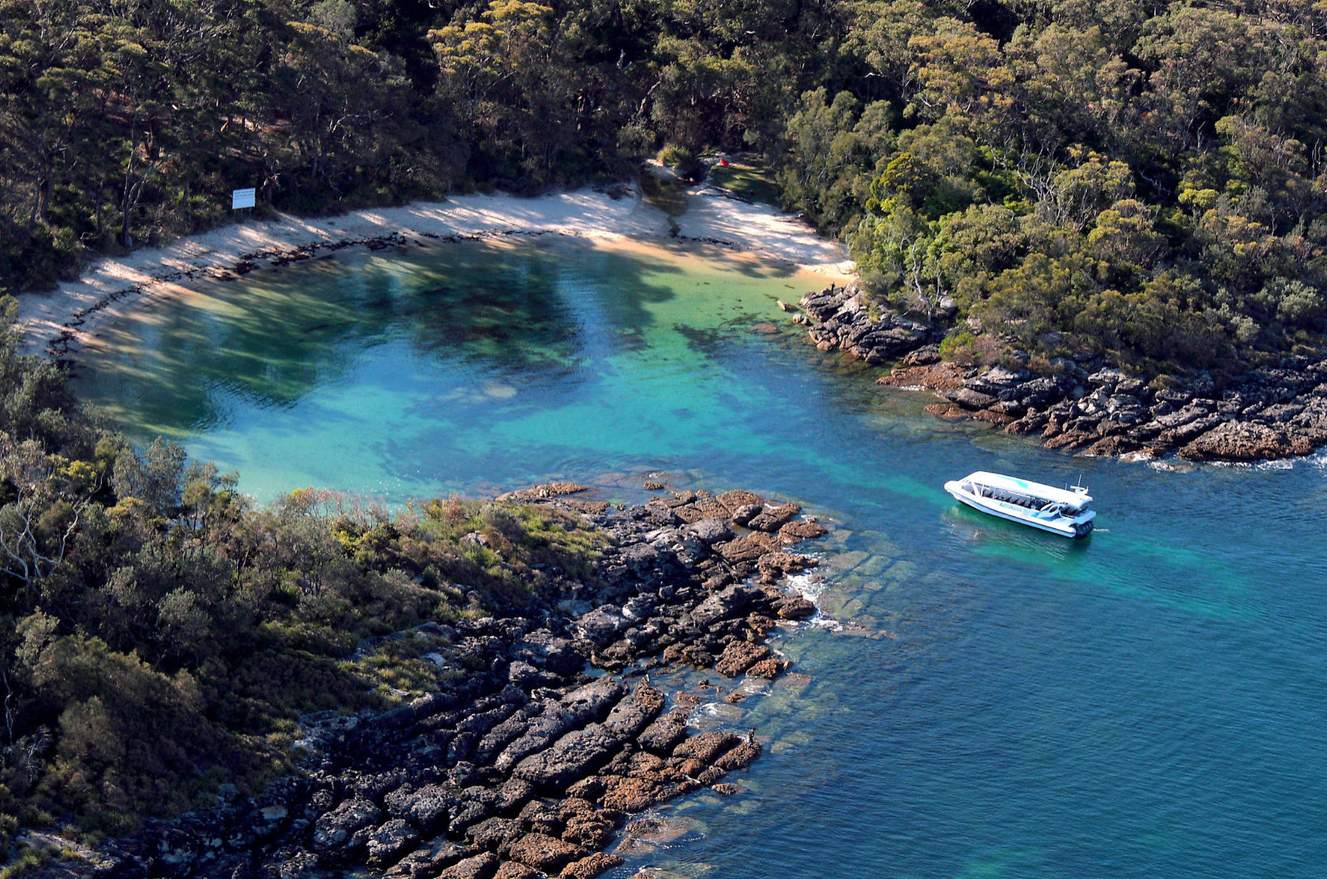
point(926, 355)
point(1239, 441)
point(297, 865)
point(336, 829)
point(480, 866)
point(493, 833)
point(590, 830)
point(426, 807)
point(570, 758)
point(582, 705)
point(768, 668)
point(638, 608)
point(526, 676)
point(542, 852)
point(512, 793)
point(776, 565)
point(746, 548)
point(997, 381)
point(970, 399)
point(794, 607)
point(514, 870)
point(802, 529)
point(591, 866)
point(724, 604)
point(732, 501)
point(473, 804)
point(744, 514)
point(738, 656)
point(543, 649)
point(739, 756)
point(771, 518)
point(706, 747)
point(601, 626)
point(641, 558)
point(665, 732)
point(631, 794)
point(710, 531)
point(428, 862)
point(387, 843)
point(635, 712)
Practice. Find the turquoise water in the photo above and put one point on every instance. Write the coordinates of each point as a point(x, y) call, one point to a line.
point(998, 703)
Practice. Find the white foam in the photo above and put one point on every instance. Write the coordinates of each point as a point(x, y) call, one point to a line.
point(820, 621)
point(809, 586)
point(1277, 464)
point(812, 587)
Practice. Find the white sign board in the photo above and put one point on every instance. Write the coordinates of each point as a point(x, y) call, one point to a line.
point(243, 198)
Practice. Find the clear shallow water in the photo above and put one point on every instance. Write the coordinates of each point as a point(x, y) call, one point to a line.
point(1149, 702)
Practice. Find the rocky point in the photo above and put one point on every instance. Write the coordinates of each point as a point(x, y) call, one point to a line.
point(553, 735)
point(1273, 411)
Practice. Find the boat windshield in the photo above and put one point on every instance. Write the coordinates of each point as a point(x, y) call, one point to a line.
point(1041, 506)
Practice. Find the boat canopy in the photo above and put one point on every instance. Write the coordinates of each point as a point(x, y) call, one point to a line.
point(1072, 500)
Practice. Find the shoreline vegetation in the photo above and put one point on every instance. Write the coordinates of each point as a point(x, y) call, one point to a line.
point(487, 748)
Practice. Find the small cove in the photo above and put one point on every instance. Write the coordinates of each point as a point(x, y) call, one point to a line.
point(1144, 703)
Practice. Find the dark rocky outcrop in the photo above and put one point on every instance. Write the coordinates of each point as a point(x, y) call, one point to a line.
point(840, 317)
point(1273, 411)
point(526, 767)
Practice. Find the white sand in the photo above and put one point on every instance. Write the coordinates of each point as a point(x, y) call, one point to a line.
point(125, 284)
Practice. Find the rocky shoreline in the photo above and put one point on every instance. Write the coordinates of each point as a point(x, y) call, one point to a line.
point(552, 735)
point(1271, 412)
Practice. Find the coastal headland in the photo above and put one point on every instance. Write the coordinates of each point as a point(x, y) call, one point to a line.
point(1274, 411)
point(554, 736)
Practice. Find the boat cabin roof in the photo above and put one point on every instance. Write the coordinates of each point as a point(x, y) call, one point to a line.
point(1072, 499)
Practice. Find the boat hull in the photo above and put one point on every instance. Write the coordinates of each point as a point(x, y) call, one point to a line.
point(1071, 531)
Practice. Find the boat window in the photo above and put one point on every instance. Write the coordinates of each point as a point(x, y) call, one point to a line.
point(1029, 502)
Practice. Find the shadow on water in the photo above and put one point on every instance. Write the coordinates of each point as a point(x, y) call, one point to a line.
point(273, 339)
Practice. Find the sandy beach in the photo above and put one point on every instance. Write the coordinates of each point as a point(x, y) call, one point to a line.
point(63, 320)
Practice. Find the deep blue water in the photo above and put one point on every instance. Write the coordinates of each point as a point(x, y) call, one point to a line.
point(979, 701)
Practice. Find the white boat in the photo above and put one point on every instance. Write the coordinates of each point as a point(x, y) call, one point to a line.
point(1057, 510)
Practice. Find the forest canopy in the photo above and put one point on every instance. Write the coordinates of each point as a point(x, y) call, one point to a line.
point(1140, 179)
